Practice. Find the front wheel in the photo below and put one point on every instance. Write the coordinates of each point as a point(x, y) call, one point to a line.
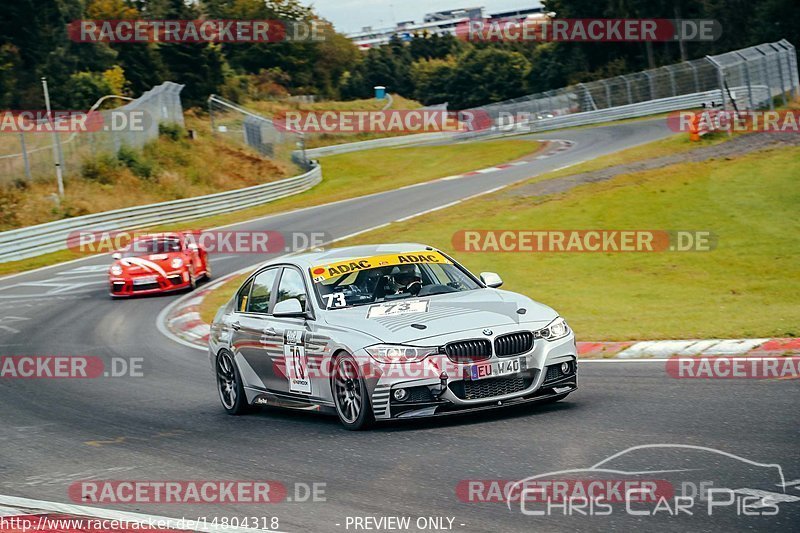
point(350, 394)
point(230, 386)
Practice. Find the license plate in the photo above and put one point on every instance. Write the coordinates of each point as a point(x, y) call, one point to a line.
point(496, 369)
point(144, 281)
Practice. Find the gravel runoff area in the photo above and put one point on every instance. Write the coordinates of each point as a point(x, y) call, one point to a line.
point(737, 146)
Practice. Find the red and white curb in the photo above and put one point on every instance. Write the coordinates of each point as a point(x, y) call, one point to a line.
point(688, 348)
point(23, 515)
point(553, 146)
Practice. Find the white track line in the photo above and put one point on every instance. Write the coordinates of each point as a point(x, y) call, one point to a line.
point(110, 514)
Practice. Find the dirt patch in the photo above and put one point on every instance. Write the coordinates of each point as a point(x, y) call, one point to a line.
point(735, 147)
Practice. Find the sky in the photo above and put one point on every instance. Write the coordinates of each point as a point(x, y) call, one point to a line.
point(351, 15)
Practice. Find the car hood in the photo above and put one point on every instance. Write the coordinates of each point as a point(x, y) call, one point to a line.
point(446, 314)
point(148, 264)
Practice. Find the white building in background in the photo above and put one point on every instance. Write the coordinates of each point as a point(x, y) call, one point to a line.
point(439, 23)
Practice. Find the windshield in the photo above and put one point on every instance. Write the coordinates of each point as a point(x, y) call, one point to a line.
point(152, 247)
point(388, 278)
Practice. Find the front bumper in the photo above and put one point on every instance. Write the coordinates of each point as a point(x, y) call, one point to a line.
point(541, 380)
point(126, 287)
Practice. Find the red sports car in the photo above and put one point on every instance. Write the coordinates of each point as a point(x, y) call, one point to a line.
point(158, 263)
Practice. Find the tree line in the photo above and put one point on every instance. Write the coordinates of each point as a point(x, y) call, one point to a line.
point(430, 68)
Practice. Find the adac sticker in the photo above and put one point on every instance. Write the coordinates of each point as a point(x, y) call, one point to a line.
point(321, 273)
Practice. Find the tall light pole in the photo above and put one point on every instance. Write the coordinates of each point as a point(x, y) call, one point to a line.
point(56, 155)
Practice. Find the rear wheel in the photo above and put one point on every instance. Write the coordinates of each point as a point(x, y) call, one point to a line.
point(229, 385)
point(350, 394)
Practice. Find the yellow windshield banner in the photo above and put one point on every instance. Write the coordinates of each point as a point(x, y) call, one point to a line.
point(322, 272)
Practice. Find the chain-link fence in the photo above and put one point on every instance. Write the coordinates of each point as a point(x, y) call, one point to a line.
point(750, 78)
point(27, 156)
point(243, 127)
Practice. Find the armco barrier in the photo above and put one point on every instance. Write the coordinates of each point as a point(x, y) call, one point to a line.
point(641, 109)
point(52, 236)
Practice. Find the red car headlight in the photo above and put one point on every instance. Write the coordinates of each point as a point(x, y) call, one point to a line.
point(177, 262)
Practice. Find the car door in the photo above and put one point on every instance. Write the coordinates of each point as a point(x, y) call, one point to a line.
point(299, 353)
point(254, 335)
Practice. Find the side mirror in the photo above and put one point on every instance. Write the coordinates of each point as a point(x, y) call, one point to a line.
point(490, 279)
point(192, 247)
point(116, 256)
point(291, 308)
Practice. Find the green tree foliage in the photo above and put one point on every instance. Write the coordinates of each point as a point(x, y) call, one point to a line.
point(430, 68)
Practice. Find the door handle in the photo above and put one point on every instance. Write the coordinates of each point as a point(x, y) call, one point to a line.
point(236, 325)
point(270, 331)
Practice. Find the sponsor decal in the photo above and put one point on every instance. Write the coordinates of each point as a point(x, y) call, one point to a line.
point(296, 361)
point(324, 272)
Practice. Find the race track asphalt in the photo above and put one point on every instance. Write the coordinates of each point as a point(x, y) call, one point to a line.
point(168, 424)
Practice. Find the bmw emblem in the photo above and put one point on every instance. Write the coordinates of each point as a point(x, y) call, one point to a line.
point(487, 332)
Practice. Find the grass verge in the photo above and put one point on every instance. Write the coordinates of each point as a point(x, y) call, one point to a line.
point(350, 175)
point(747, 287)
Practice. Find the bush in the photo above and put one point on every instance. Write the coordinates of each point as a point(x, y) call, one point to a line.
point(171, 131)
point(132, 159)
point(99, 169)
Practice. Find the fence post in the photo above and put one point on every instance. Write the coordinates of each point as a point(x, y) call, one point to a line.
point(720, 79)
point(764, 63)
point(746, 68)
point(672, 81)
point(789, 72)
point(780, 74)
point(628, 86)
point(25, 156)
point(211, 115)
point(608, 94)
point(694, 76)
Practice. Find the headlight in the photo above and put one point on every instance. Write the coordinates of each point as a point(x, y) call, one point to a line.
point(392, 353)
point(116, 270)
point(555, 330)
point(176, 262)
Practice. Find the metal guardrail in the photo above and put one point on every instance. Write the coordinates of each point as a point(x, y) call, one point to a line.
point(641, 109)
point(52, 236)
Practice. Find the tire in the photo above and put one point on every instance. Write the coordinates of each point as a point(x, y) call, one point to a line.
point(229, 385)
point(350, 395)
point(207, 275)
